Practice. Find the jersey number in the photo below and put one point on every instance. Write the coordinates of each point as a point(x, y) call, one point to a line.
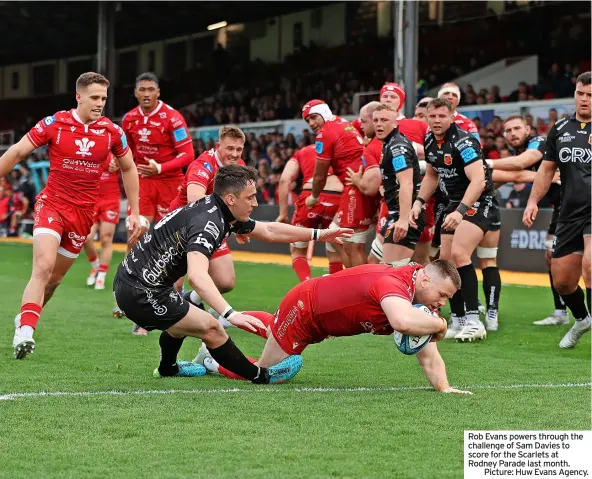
point(167, 218)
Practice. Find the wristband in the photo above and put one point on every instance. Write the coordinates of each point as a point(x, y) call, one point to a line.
point(228, 312)
point(421, 200)
point(314, 234)
point(462, 209)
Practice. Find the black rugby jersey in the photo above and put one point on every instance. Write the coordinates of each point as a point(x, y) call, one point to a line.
point(569, 145)
point(159, 258)
point(398, 155)
point(458, 150)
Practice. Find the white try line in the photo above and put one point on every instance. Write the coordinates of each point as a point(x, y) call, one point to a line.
point(274, 389)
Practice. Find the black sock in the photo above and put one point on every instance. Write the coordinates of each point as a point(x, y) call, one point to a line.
point(230, 357)
point(492, 287)
point(557, 300)
point(457, 304)
point(588, 298)
point(169, 350)
point(470, 288)
point(576, 302)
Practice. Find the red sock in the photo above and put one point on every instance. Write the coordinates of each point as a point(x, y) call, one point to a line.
point(335, 267)
point(265, 318)
point(30, 313)
point(302, 268)
point(230, 375)
point(93, 259)
point(103, 268)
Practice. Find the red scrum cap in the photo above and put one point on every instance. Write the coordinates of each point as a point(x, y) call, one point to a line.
point(396, 89)
point(319, 107)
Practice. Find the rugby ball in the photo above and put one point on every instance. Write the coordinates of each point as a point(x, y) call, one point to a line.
point(409, 344)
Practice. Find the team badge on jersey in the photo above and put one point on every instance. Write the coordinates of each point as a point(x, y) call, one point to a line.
point(448, 159)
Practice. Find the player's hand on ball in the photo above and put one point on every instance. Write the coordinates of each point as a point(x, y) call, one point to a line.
point(530, 214)
point(244, 321)
point(134, 228)
point(311, 201)
point(335, 235)
point(452, 390)
point(452, 221)
point(442, 334)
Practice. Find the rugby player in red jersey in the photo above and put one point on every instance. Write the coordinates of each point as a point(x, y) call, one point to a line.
point(338, 145)
point(302, 165)
point(199, 182)
point(79, 142)
point(162, 147)
point(376, 299)
point(106, 221)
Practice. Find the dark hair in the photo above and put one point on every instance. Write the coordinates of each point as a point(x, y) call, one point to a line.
point(88, 78)
point(147, 76)
point(422, 104)
point(234, 179)
point(440, 102)
point(445, 269)
point(584, 78)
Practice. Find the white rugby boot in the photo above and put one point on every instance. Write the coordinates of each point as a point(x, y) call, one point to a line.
point(575, 333)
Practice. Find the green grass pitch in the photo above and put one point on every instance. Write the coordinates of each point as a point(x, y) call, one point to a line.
point(357, 409)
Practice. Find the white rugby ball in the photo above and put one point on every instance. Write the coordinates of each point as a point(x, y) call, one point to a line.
point(409, 344)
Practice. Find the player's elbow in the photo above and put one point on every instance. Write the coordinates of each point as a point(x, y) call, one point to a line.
point(401, 324)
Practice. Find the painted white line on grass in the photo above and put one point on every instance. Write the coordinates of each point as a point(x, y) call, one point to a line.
point(273, 389)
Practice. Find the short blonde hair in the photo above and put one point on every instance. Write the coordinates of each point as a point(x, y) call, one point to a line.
point(383, 107)
point(87, 79)
point(230, 131)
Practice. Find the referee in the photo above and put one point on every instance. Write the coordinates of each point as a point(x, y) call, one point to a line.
point(569, 148)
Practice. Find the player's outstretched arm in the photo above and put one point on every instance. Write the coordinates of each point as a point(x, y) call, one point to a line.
point(406, 319)
point(275, 232)
point(519, 162)
point(435, 370)
point(197, 274)
point(290, 174)
point(15, 154)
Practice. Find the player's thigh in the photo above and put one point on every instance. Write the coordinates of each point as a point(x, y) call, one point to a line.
point(566, 272)
point(272, 353)
point(221, 270)
point(199, 324)
point(148, 198)
point(464, 241)
point(421, 254)
point(45, 253)
point(395, 252)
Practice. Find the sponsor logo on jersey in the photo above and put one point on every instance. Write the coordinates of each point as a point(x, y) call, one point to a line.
point(48, 120)
point(153, 274)
point(98, 132)
point(203, 173)
point(39, 128)
point(566, 137)
point(84, 146)
point(212, 229)
point(159, 309)
point(319, 147)
point(208, 167)
point(162, 115)
point(205, 243)
point(575, 155)
point(123, 140)
point(72, 129)
point(144, 134)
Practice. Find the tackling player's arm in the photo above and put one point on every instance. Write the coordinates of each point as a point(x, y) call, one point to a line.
point(520, 162)
point(195, 191)
point(275, 232)
point(289, 175)
point(501, 177)
point(426, 190)
point(15, 154)
point(197, 275)
point(368, 182)
point(406, 319)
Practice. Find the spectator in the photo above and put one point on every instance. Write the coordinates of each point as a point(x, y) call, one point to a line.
point(519, 196)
